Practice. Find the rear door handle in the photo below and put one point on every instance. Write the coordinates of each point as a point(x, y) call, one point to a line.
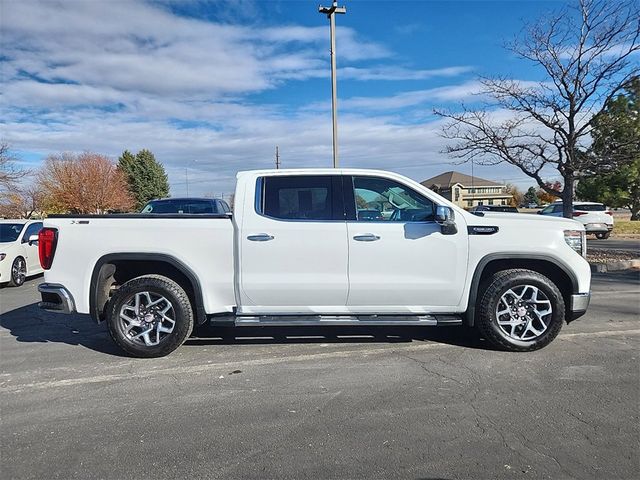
point(260, 237)
point(366, 237)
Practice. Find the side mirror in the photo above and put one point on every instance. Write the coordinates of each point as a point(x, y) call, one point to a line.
point(33, 239)
point(446, 218)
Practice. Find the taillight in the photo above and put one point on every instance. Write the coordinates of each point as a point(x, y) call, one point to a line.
point(47, 241)
point(608, 212)
point(577, 214)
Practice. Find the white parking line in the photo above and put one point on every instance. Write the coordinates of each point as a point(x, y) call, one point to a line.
point(197, 369)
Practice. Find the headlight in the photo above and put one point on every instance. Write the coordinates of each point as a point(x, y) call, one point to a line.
point(2, 256)
point(577, 239)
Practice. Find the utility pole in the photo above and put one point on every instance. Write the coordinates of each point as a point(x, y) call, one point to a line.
point(186, 177)
point(330, 12)
point(277, 158)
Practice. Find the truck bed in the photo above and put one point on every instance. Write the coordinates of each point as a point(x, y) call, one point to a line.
point(202, 243)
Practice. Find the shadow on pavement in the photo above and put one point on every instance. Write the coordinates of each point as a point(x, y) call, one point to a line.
point(30, 324)
point(459, 336)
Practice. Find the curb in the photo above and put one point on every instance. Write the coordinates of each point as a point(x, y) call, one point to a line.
point(614, 266)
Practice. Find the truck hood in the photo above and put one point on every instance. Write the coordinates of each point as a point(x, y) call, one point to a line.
point(511, 219)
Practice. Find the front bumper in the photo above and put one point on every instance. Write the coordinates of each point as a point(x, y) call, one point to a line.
point(579, 305)
point(56, 298)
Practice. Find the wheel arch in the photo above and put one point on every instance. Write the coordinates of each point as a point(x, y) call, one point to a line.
point(118, 268)
point(553, 268)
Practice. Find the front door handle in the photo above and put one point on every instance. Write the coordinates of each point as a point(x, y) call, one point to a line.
point(366, 237)
point(260, 237)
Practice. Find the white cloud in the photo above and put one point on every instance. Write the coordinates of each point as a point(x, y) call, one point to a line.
point(463, 91)
point(400, 73)
point(105, 76)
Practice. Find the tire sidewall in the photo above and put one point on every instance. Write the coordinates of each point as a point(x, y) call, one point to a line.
point(166, 288)
point(552, 293)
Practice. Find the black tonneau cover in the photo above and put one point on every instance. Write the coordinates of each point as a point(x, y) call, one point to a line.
point(146, 215)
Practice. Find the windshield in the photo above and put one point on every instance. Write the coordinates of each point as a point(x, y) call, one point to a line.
point(9, 232)
point(598, 207)
point(180, 206)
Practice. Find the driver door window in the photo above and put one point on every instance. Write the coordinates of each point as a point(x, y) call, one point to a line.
point(399, 260)
point(384, 200)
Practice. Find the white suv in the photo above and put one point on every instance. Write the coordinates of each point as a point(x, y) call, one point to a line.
point(595, 217)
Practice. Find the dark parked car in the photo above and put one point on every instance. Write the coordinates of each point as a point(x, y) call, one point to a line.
point(494, 208)
point(201, 206)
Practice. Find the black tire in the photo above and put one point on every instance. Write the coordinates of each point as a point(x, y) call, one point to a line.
point(156, 285)
point(603, 235)
point(495, 287)
point(17, 278)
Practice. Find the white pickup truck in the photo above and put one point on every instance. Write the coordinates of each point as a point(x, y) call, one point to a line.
point(318, 247)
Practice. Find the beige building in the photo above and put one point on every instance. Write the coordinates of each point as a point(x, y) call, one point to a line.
point(466, 191)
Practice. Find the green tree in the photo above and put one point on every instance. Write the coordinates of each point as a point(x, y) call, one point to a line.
point(616, 137)
point(146, 177)
point(617, 189)
point(530, 196)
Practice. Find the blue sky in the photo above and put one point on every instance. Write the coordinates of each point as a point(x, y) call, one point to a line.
point(214, 86)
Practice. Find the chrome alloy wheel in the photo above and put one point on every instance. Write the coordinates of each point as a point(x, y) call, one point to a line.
point(19, 271)
point(147, 318)
point(524, 312)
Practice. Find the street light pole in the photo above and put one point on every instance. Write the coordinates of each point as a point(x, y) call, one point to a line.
point(330, 12)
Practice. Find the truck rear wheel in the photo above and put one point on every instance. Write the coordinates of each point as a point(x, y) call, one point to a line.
point(150, 316)
point(520, 310)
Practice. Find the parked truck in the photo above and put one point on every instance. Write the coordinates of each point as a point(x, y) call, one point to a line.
point(303, 248)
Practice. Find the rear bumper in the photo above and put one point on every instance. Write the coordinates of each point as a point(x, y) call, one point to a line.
point(598, 227)
point(579, 305)
point(56, 298)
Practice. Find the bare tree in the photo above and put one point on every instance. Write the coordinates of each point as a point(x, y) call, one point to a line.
point(516, 194)
point(84, 183)
point(588, 55)
point(10, 173)
point(24, 202)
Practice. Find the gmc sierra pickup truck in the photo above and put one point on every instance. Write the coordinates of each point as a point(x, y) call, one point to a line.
point(318, 247)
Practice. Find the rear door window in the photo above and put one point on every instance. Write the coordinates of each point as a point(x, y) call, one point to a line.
point(598, 207)
point(302, 197)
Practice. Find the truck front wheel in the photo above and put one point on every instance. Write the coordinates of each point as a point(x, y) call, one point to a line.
point(520, 310)
point(150, 316)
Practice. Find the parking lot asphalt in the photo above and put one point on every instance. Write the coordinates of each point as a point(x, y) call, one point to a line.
point(627, 244)
point(323, 403)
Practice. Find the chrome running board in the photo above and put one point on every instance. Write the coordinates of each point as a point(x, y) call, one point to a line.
point(337, 320)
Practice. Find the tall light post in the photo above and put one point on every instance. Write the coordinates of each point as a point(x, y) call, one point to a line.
point(186, 173)
point(330, 12)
